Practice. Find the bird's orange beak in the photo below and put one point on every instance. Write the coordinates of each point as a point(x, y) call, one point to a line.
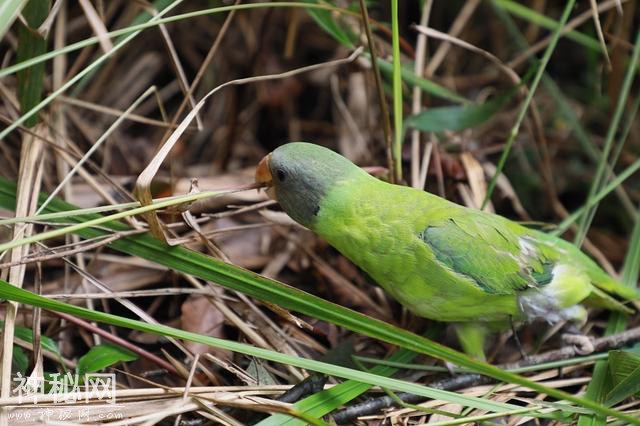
point(263, 176)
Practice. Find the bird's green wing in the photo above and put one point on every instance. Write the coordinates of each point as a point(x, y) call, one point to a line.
point(501, 257)
point(490, 251)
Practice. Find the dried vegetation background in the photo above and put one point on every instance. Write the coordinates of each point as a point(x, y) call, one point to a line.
point(547, 176)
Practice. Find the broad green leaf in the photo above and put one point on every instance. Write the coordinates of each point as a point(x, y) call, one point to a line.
point(102, 356)
point(622, 364)
point(20, 360)
point(624, 367)
point(628, 387)
point(456, 118)
point(262, 288)
point(46, 342)
point(26, 334)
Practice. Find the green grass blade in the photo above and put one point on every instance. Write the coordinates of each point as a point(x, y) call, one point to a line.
point(631, 268)
point(330, 25)
point(601, 383)
point(479, 419)
point(525, 106)
point(31, 44)
point(427, 86)
point(397, 92)
point(141, 18)
point(83, 225)
point(262, 288)
point(630, 273)
point(26, 334)
point(139, 25)
point(608, 144)
point(601, 388)
point(529, 15)
point(9, 10)
point(131, 32)
point(26, 115)
point(564, 107)
point(624, 175)
point(324, 402)
point(386, 67)
point(9, 292)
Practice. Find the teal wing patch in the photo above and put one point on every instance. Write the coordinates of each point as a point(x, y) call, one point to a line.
point(494, 257)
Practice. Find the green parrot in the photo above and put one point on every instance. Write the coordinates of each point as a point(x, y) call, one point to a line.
point(440, 260)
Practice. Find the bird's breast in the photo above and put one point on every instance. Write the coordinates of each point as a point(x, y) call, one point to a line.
point(375, 239)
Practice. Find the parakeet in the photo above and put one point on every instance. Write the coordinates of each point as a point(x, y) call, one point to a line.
point(440, 260)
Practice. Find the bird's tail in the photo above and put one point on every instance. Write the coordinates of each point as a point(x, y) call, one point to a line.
point(604, 282)
point(601, 299)
point(605, 287)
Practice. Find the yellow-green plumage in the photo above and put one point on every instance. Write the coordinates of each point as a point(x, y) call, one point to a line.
point(381, 228)
point(440, 260)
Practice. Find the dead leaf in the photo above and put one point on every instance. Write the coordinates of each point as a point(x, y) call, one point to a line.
point(475, 177)
point(200, 316)
point(242, 247)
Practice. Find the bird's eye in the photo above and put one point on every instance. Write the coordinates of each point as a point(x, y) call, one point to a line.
point(281, 174)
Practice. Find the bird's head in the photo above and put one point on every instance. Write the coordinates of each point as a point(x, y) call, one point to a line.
point(299, 175)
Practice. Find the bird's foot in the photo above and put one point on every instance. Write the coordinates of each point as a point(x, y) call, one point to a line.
point(516, 339)
point(583, 345)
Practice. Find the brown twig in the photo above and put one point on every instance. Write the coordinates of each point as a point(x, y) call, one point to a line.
point(384, 111)
point(119, 341)
point(81, 247)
